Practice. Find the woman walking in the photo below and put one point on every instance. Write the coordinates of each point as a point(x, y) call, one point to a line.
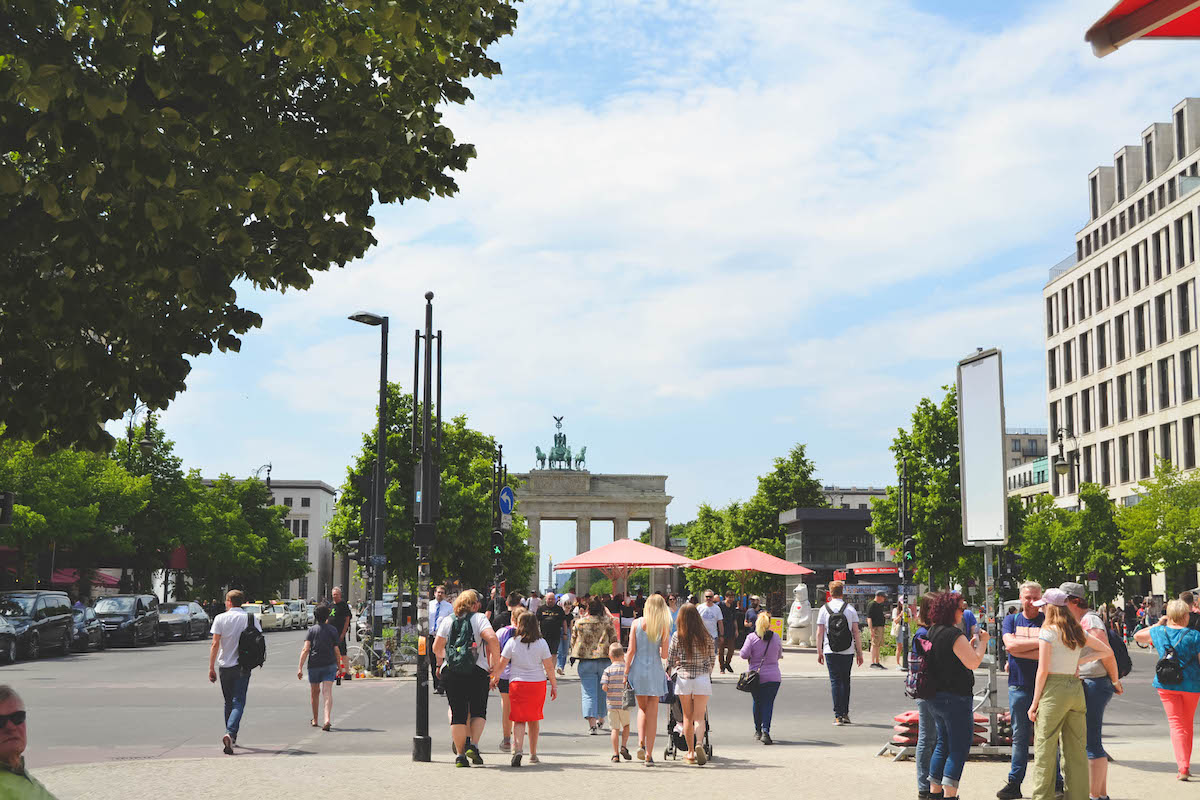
point(589, 646)
point(532, 665)
point(691, 657)
point(1059, 709)
point(465, 646)
point(926, 727)
point(762, 650)
point(504, 634)
point(952, 662)
point(1178, 699)
point(648, 641)
point(324, 660)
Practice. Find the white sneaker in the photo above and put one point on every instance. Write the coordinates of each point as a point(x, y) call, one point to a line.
point(505, 745)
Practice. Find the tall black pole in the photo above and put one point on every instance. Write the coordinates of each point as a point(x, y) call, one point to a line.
point(379, 558)
point(426, 526)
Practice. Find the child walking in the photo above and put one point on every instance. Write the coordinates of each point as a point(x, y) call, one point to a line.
point(612, 681)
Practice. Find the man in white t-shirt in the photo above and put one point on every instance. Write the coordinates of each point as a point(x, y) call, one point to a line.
point(838, 621)
point(467, 692)
point(713, 618)
point(223, 655)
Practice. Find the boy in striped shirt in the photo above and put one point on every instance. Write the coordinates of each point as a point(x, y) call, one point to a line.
point(613, 684)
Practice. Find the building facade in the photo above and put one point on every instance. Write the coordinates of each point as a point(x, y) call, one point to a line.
point(858, 498)
point(310, 507)
point(1120, 316)
point(1023, 445)
point(1027, 481)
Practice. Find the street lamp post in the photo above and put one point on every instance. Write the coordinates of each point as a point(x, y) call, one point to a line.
point(1062, 464)
point(378, 559)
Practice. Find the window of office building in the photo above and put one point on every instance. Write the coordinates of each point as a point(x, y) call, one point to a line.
point(303, 529)
point(1102, 346)
point(1054, 415)
point(1049, 316)
point(1085, 367)
point(1120, 339)
point(1095, 193)
point(305, 502)
point(1187, 375)
point(1165, 368)
point(1120, 179)
point(1052, 367)
point(1033, 446)
point(1016, 445)
point(1160, 318)
point(1150, 205)
point(1136, 252)
point(1140, 315)
point(1085, 410)
point(1086, 464)
point(1170, 192)
point(1141, 210)
point(1165, 440)
point(1068, 376)
point(1183, 302)
point(1099, 276)
point(1156, 256)
point(1102, 392)
point(1147, 156)
point(1143, 391)
point(1064, 309)
point(1144, 454)
point(1189, 442)
point(1105, 460)
point(287, 501)
point(1123, 454)
point(1069, 412)
point(1180, 141)
point(1123, 397)
point(303, 588)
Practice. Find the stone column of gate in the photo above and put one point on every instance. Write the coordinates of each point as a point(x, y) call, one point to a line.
point(583, 543)
point(535, 544)
point(658, 538)
point(620, 528)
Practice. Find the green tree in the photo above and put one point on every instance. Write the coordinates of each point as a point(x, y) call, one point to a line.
point(1162, 530)
point(1044, 541)
point(931, 451)
point(464, 530)
point(154, 153)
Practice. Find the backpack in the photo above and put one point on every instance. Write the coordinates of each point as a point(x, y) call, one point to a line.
point(252, 647)
point(1169, 669)
point(1120, 653)
point(460, 646)
point(837, 629)
point(919, 684)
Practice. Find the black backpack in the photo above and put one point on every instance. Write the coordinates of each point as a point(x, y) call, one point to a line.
point(837, 629)
point(1169, 668)
point(1120, 653)
point(252, 647)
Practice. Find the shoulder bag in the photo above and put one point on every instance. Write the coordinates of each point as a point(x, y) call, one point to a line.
point(748, 681)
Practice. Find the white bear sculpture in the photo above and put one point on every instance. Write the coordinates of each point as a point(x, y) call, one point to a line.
point(801, 619)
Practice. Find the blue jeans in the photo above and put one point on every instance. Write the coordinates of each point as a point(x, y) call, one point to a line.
point(594, 700)
point(234, 683)
point(564, 649)
point(839, 681)
point(1097, 692)
point(953, 720)
point(926, 736)
point(764, 705)
point(1020, 698)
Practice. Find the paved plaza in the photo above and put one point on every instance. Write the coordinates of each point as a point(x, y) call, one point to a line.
point(146, 723)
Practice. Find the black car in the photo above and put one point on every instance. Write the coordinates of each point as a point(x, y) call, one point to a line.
point(131, 618)
point(182, 620)
point(89, 631)
point(41, 620)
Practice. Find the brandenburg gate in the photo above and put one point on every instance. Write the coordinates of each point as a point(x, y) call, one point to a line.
point(568, 491)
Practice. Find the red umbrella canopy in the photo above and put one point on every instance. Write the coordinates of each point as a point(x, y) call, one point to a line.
point(747, 559)
point(624, 553)
point(1133, 19)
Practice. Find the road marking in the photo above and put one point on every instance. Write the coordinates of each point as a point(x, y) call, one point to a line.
point(312, 737)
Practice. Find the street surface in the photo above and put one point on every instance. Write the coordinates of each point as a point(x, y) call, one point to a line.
point(131, 714)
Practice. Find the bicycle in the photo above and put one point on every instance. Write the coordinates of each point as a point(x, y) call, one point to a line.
point(1137, 628)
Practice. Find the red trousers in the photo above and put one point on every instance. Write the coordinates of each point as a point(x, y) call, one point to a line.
point(1181, 711)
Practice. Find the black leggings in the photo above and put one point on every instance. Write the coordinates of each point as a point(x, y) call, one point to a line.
point(467, 693)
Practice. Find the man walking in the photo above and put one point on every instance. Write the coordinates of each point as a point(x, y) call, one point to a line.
point(339, 618)
point(1100, 682)
point(439, 610)
point(15, 782)
point(876, 622)
point(235, 681)
point(713, 619)
point(553, 622)
point(1021, 631)
point(729, 631)
point(839, 645)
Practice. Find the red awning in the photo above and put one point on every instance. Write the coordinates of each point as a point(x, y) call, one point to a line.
point(68, 577)
point(747, 559)
point(1134, 19)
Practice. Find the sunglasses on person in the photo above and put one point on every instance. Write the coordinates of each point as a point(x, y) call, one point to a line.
point(708, 597)
point(16, 718)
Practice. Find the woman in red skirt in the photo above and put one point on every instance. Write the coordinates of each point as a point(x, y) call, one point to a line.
point(532, 665)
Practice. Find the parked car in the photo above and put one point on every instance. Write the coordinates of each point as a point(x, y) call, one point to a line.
point(180, 620)
point(287, 620)
point(41, 620)
point(257, 610)
point(299, 614)
point(131, 618)
point(8, 640)
point(268, 616)
point(89, 630)
point(310, 614)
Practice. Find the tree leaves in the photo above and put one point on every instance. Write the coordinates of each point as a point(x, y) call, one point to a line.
point(134, 131)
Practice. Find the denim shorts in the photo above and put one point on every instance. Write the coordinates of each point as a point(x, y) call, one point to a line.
point(322, 674)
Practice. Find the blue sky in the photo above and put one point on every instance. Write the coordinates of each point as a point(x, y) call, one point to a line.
point(705, 231)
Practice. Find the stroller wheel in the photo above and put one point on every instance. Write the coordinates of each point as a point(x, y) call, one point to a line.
point(666, 754)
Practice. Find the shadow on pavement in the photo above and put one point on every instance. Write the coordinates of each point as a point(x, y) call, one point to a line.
point(336, 729)
point(1149, 766)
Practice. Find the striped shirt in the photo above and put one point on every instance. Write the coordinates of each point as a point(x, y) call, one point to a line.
point(689, 665)
point(613, 684)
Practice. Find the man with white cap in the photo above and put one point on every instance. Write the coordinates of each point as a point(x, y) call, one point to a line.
point(1100, 682)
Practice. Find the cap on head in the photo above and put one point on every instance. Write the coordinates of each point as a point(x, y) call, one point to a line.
point(1053, 597)
point(1073, 590)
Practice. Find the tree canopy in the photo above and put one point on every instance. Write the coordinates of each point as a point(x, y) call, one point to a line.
point(153, 153)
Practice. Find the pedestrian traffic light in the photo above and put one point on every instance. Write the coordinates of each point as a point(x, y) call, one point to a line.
point(6, 508)
point(910, 553)
point(497, 545)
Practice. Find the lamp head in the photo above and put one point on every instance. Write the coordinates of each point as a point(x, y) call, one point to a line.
point(1060, 465)
point(366, 318)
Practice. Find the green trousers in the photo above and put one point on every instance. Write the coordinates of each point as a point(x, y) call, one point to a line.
point(1062, 714)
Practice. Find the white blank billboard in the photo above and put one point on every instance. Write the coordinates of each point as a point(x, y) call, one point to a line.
point(982, 470)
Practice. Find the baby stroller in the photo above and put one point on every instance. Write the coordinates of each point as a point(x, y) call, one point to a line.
point(675, 740)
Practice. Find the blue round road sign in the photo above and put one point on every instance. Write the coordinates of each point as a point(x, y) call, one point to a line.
point(507, 500)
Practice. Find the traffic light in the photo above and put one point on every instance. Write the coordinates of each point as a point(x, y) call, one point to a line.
point(910, 554)
point(6, 508)
point(497, 546)
point(357, 549)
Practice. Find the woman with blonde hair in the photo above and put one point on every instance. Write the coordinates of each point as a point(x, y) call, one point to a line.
point(465, 645)
point(1059, 709)
point(691, 656)
point(762, 650)
point(1179, 698)
point(648, 639)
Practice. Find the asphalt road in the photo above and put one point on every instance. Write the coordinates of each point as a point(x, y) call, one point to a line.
point(156, 702)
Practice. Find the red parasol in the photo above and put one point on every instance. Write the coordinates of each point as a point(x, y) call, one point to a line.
point(1135, 19)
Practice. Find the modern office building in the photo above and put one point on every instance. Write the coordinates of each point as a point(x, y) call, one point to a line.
point(1120, 315)
point(1027, 481)
point(859, 498)
point(1023, 445)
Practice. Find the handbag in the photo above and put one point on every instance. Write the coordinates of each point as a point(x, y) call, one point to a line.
point(629, 699)
point(748, 681)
